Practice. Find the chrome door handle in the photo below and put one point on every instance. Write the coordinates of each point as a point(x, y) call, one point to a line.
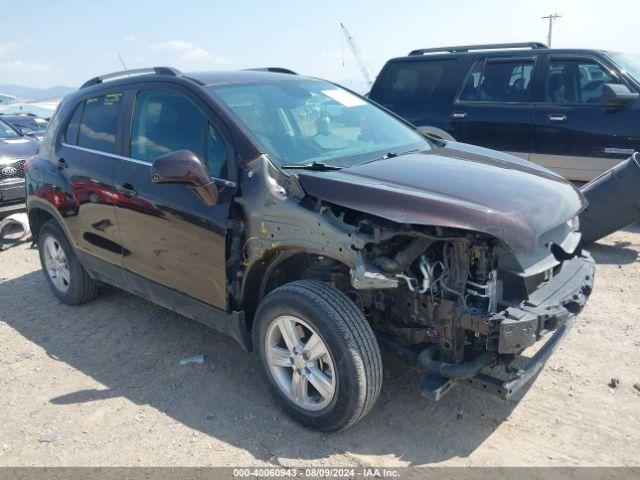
point(557, 118)
point(459, 115)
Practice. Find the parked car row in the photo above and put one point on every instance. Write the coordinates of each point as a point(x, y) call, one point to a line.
point(572, 111)
point(27, 124)
point(15, 149)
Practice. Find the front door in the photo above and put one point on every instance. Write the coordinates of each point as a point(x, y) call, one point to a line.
point(494, 107)
point(171, 237)
point(576, 134)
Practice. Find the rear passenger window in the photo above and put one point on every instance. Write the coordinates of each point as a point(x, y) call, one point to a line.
point(498, 81)
point(413, 81)
point(71, 134)
point(99, 125)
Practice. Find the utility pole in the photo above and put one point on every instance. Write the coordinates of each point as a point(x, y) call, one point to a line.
point(551, 19)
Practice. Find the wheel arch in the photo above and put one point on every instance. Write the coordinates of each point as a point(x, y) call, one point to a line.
point(39, 213)
point(278, 267)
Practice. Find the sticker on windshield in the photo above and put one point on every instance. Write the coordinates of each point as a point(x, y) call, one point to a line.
point(344, 98)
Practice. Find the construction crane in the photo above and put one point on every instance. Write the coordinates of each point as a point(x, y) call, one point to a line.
point(356, 54)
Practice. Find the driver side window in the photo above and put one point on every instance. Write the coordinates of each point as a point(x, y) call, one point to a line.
point(165, 121)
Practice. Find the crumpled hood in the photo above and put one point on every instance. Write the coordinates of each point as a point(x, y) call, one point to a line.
point(19, 147)
point(459, 186)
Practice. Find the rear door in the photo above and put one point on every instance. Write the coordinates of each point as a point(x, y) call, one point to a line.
point(171, 238)
point(576, 134)
point(494, 107)
point(419, 90)
point(83, 183)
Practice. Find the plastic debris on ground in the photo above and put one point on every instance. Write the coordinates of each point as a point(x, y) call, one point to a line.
point(13, 229)
point(195, 360)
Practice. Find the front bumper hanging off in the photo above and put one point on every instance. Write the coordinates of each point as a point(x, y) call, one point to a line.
point(551, 308)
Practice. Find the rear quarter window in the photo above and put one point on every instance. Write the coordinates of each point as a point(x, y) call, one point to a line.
point(71, 132)
point(404, 82)
point(99, 125)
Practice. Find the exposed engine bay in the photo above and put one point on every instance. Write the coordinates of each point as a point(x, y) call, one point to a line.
point(462, 298)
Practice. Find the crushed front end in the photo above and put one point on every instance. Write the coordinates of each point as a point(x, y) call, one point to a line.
point(454, 300)
point(475, 304)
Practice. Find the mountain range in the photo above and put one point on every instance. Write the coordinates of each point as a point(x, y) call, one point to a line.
point(32, 94)
point(35, 94)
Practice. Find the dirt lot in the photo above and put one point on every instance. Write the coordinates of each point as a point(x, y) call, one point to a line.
point(101, 384)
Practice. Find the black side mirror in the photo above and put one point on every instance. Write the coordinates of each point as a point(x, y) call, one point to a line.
point(617, 94)
point(183, 167)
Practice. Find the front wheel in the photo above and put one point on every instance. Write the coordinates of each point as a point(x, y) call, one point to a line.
point(318, 354)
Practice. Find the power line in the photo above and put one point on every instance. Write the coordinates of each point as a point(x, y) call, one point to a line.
point(552, 18)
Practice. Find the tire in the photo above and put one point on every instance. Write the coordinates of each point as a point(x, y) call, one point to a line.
point(351, 364)
point(74, 286)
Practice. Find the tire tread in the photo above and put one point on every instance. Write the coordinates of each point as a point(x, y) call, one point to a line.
point(357, 333)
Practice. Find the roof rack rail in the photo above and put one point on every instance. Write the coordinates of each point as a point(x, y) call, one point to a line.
point(468, 48)
point(273, 69)
point(138, 71)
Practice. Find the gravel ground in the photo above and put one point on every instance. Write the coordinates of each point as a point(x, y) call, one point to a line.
point(101, 384)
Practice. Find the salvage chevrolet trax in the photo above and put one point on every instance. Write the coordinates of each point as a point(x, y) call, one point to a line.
point(312, 227)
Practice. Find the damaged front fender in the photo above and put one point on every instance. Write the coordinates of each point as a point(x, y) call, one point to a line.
point(277, 218)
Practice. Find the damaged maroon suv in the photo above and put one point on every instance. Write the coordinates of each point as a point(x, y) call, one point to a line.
point(313, 227)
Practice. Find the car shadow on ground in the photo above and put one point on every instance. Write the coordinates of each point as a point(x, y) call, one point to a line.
point(620, 253)
point(134, 347)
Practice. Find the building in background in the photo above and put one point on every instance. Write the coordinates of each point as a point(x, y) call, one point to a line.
point(7, 99)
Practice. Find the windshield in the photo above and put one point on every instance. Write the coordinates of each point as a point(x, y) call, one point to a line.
point(630, 63)
point(32, 123)
point(6, 131)
point(299, 123)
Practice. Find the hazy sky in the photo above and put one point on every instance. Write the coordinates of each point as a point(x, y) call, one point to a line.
point(45, 43)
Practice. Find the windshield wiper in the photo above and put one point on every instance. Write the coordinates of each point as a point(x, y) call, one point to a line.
point(392, 155)
point(316, 166)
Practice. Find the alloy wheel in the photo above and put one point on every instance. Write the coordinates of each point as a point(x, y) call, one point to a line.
point(56, 264)
point(300, 363)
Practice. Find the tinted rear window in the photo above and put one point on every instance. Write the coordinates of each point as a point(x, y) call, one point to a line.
point(498, 81)
point(99, 124)
point(413, 81)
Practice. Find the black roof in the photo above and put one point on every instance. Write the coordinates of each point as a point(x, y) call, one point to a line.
point(258, 75)
point(444, 52)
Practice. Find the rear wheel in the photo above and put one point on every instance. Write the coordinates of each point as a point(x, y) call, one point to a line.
point(318, 354)
point(66, 276)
